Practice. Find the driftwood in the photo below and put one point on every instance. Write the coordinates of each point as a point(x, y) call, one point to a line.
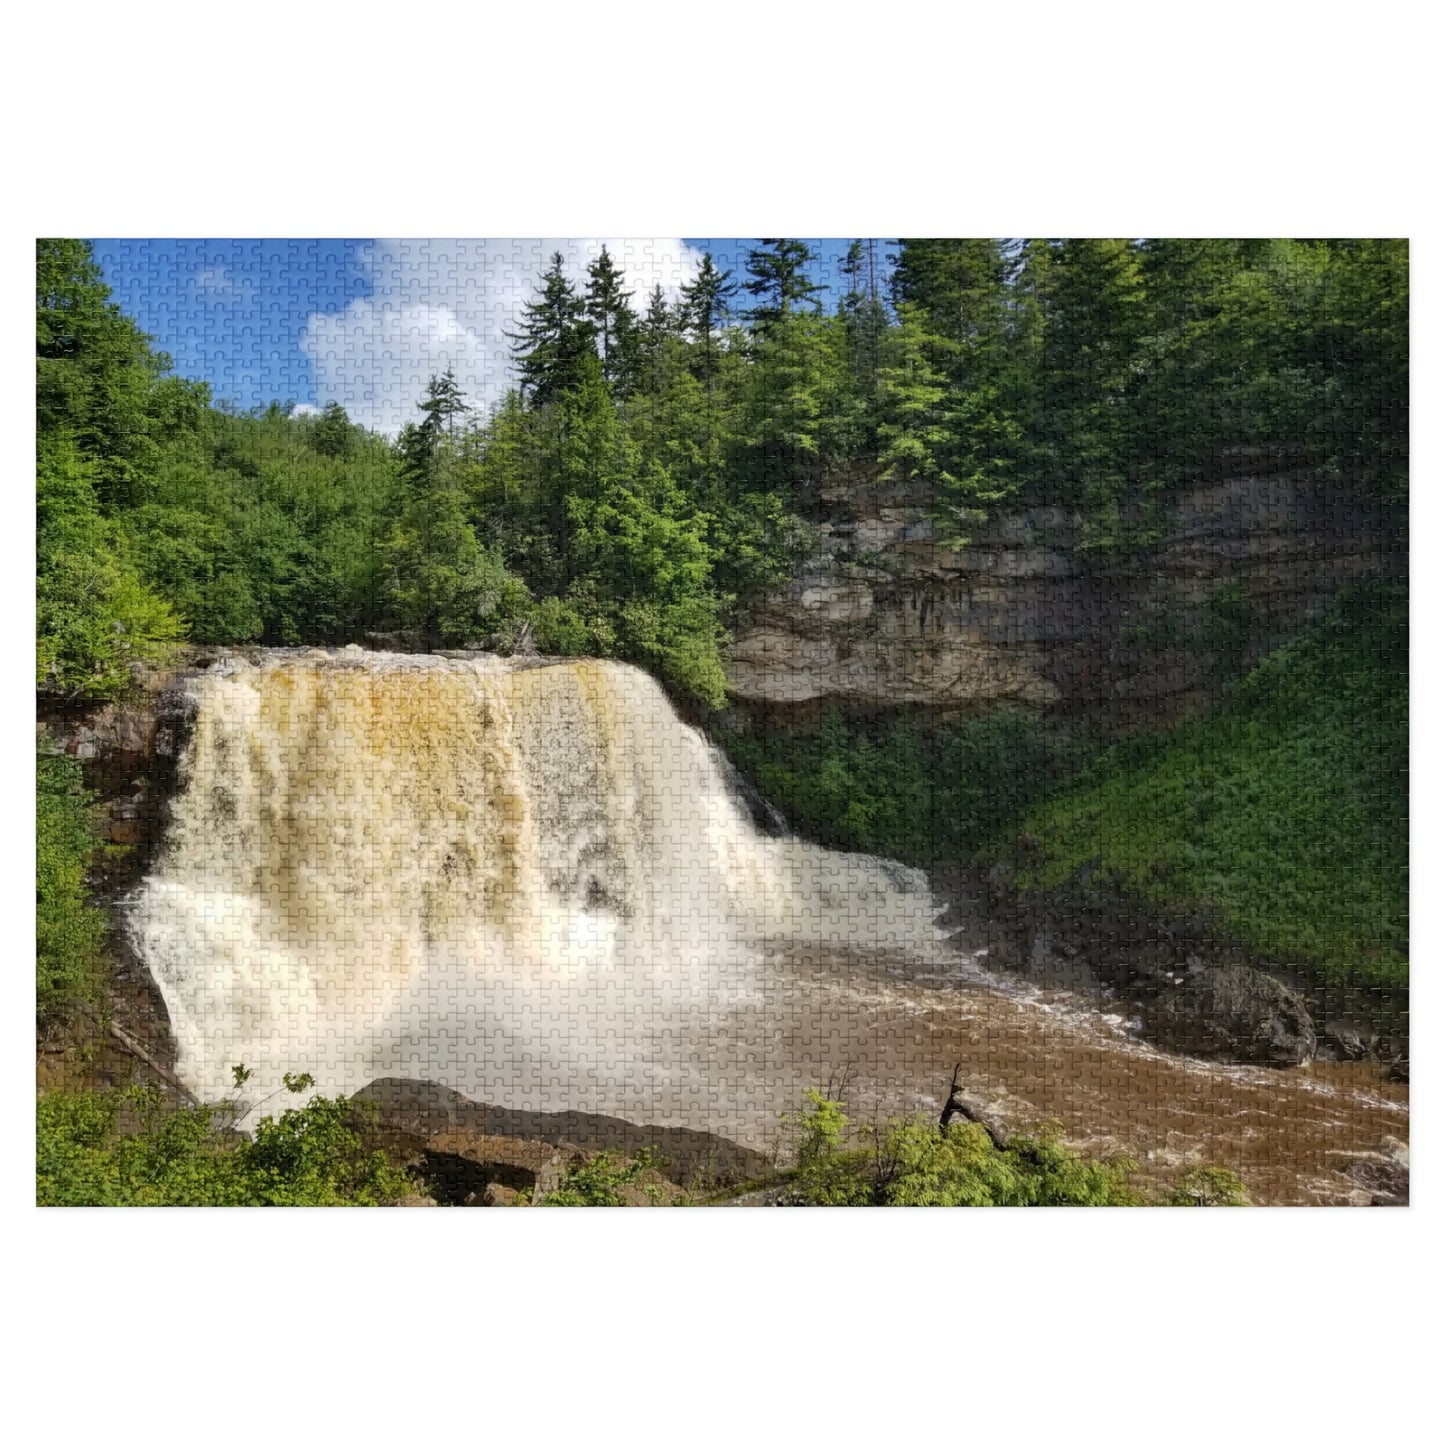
point(133, 1045)
point(959, 1107)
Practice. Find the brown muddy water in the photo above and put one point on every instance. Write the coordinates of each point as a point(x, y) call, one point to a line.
point(1031, 1055)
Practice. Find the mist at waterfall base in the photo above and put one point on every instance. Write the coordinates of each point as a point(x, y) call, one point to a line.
point(529, 883)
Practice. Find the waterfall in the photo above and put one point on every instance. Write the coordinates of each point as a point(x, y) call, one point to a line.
point(531, 883)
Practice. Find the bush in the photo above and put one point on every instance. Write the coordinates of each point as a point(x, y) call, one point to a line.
point(126, 1149)
point(902, 788)
point(1204, 1187)
point(598, 1182)
point(68, 929)
point(914, 1162)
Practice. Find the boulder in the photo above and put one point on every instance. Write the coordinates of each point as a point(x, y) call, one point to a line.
point(1230, 1011)
point(410, 1114)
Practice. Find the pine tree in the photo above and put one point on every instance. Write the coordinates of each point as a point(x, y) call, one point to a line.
point(655, 343)
point(778, 268)
point(444, 584)
point(704, 306)
point(863, 312)
point(1097, 320)
point(428, 449)
point(962, 288)
point(97, 380)
point(605, 306)
point(555, 335)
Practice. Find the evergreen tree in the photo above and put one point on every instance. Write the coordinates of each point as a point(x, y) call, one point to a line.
point(863, 312)
point(605, 306)
point(962, 288)
point(656, 349)
point(443, 583)
point(1092, 357)
point(97, 381)
point(779, 279)
point(704, 306)
point(555, 335)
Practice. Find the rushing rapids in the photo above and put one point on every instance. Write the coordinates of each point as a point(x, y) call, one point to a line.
point(533, 884)
point(524, 881)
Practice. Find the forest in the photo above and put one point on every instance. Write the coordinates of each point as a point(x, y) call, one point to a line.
point(650, 468)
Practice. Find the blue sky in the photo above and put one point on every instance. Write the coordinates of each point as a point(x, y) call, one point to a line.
point(364, 322)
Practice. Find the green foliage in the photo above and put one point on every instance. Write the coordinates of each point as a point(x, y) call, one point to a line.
point(444, 585)
point(1203, 1187)
point(555, 335)
point(913, 1162)
point(95, 616)
point(1286, 812)
point(778, 279)
point(97, 382)
point(649, 473)
point(598, 1182)
point(68, 929)
point(127, 1149)
point(900, 787)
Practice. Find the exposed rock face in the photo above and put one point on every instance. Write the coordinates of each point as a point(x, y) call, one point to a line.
point(129, 752)
point(883, 615)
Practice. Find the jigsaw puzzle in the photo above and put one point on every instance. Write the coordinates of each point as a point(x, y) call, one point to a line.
point(747, 722)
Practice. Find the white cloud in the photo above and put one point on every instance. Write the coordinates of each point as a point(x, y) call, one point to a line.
point(217, 281)
point(435, 304)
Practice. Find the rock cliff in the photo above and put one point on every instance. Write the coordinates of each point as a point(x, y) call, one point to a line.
point(883, 615)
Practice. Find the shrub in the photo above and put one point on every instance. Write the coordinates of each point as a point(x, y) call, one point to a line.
point(127, 1149)
point(68, 929)
point(912, 1161)
point(598, 1182)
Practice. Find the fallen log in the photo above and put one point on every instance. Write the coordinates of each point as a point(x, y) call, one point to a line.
point(959, 1107)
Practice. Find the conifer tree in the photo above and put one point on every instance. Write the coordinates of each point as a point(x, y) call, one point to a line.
point(555, 334)
point(655, 342)
point(444, 584)
point(962, 288)
point(1097, 319)
point(704, 306)
point(605, 306)
point(863, 312)
point(779, 279)
point(332, 434)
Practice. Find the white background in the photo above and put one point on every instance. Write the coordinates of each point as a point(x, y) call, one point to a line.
point(651, 119)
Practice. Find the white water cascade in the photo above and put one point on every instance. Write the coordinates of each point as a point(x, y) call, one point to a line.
point(529, 883)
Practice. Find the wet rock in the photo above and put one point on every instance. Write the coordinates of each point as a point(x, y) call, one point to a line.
point(464, 1162)
point(1384, 1176)
point(411, 1113)
point(1231, 1011)
point(1188, 989)
point(1350, 1043)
